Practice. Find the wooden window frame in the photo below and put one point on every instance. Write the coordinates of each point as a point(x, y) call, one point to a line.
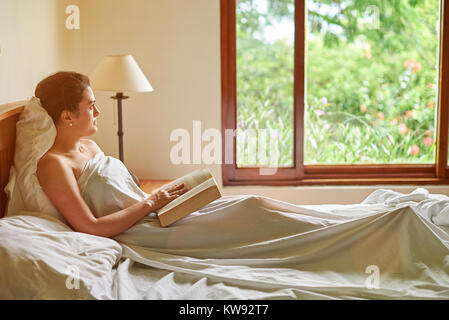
point(300, 174)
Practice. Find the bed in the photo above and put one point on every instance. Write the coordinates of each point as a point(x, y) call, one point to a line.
point(390, 246)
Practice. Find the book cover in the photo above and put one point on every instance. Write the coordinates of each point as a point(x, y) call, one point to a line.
point(203, 189)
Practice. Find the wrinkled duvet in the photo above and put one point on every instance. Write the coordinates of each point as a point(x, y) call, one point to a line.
point(390, 246)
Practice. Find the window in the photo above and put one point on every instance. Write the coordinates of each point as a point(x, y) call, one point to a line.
point(335, 92)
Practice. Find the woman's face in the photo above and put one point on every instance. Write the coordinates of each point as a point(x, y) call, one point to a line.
point(88, 112)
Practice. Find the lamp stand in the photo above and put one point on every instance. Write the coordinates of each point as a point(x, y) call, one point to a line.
point(119, 97)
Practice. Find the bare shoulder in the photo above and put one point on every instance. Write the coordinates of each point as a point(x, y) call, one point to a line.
point(49, 163)
point(92, 145)
point(51, 158)
point(55, 174)
point(58, 182)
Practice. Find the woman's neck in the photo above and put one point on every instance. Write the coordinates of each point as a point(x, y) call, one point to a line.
point(67, 144)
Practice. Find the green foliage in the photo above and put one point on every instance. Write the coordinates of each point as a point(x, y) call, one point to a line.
point(371, 79)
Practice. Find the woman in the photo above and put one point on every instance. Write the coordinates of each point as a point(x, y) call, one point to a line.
point(69, 100)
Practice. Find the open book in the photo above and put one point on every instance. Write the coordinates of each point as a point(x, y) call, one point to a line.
point(203, 190)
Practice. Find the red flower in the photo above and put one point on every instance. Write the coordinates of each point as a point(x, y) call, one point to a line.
point(408, 114)
point(416, 67)
point(413, 64)
point(403, 128)
point(414, 150)
point(428, 141)
point(409, 63)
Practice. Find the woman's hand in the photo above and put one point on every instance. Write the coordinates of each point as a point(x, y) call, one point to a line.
point(164, 196)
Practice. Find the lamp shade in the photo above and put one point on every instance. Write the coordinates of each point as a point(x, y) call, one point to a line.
point(119, 73)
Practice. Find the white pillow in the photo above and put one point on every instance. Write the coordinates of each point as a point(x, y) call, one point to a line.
point(14, 197)
point(41, 258)
point(35, 134)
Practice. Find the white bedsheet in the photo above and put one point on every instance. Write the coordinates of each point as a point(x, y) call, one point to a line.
point(249, 247)
point(41, 258)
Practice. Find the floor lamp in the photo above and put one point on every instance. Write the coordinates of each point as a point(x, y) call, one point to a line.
point(119, 73)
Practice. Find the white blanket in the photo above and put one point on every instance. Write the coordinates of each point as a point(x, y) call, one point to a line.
point(279, 250)
point(107, 186)
point(246, 247)
point(249, 247)
point(41, 258)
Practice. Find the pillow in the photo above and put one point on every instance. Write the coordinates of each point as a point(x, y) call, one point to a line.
point(14, 199)
point(35, 134)
point(41, 258)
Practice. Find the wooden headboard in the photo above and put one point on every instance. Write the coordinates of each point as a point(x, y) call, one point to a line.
point(9, 115)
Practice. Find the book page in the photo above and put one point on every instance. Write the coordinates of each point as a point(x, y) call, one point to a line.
point(190, 180)
point(186, 196)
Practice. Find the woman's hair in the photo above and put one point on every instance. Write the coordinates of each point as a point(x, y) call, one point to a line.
point(61, 91)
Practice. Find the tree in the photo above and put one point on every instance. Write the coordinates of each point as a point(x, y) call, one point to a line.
point(372, 62)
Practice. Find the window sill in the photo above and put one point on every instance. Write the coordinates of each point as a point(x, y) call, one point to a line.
point(320, 175)
point(337, 182)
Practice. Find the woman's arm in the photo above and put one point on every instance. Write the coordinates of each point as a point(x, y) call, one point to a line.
point(60, 186)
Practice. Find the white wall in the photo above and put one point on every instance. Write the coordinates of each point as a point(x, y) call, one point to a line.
point(32, 45)
point(177, 45)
